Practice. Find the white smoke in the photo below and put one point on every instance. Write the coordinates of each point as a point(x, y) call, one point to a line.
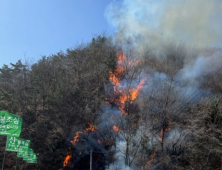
point(119, 163)
point(194, 22)
point(162, 26)
point(152, 25)
point(202, 66)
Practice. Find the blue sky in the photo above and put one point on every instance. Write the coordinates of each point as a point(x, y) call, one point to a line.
point(30, 29)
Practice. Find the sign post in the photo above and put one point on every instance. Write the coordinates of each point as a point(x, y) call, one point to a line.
point(4, 155)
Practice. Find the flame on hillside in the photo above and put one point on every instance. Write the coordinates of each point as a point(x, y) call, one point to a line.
point(123, 95)
point(77, 136)
point(135, 92)
point(67, 159)
point(116, 73)
point(76, 139)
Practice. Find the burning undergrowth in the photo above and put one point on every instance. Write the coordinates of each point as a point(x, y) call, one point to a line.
point(154, 80)
point(134, 131)
point(119, 118)
point(91, 139)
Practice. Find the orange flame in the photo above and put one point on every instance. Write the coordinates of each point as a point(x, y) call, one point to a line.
point(150, 161)
point(115, 75)
point(165, 130)
point(115, 128)
point(129, 96)
point(76, 137)
point(67, 159)
point(135, 93)
point(90, 128)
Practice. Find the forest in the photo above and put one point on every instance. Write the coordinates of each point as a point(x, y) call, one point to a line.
point(111, 106)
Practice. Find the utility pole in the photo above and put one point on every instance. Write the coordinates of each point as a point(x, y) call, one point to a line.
point(91, 159)
point(4, 154)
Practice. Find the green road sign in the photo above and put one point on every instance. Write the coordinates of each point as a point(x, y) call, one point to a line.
point(29, 157)
point(10, 124)
point(32, 161)
point(16, 144)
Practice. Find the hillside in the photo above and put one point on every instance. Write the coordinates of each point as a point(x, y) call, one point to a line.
point(157, 109)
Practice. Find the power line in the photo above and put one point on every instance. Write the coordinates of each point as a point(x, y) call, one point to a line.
point(205, 83)
point(198, 90)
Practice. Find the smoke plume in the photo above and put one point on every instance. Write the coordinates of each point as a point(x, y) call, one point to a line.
point(178, 36)
point(193, 22)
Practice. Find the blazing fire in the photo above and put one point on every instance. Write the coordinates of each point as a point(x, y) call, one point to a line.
point(122, 95)
point(88, 129)
point(67, 159)
point(76, 139)
point(116, 73)
point(128, 95)
point(135, 93)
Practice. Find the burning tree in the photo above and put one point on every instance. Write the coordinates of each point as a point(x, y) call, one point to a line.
point(125, 78)
point(86, 143)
